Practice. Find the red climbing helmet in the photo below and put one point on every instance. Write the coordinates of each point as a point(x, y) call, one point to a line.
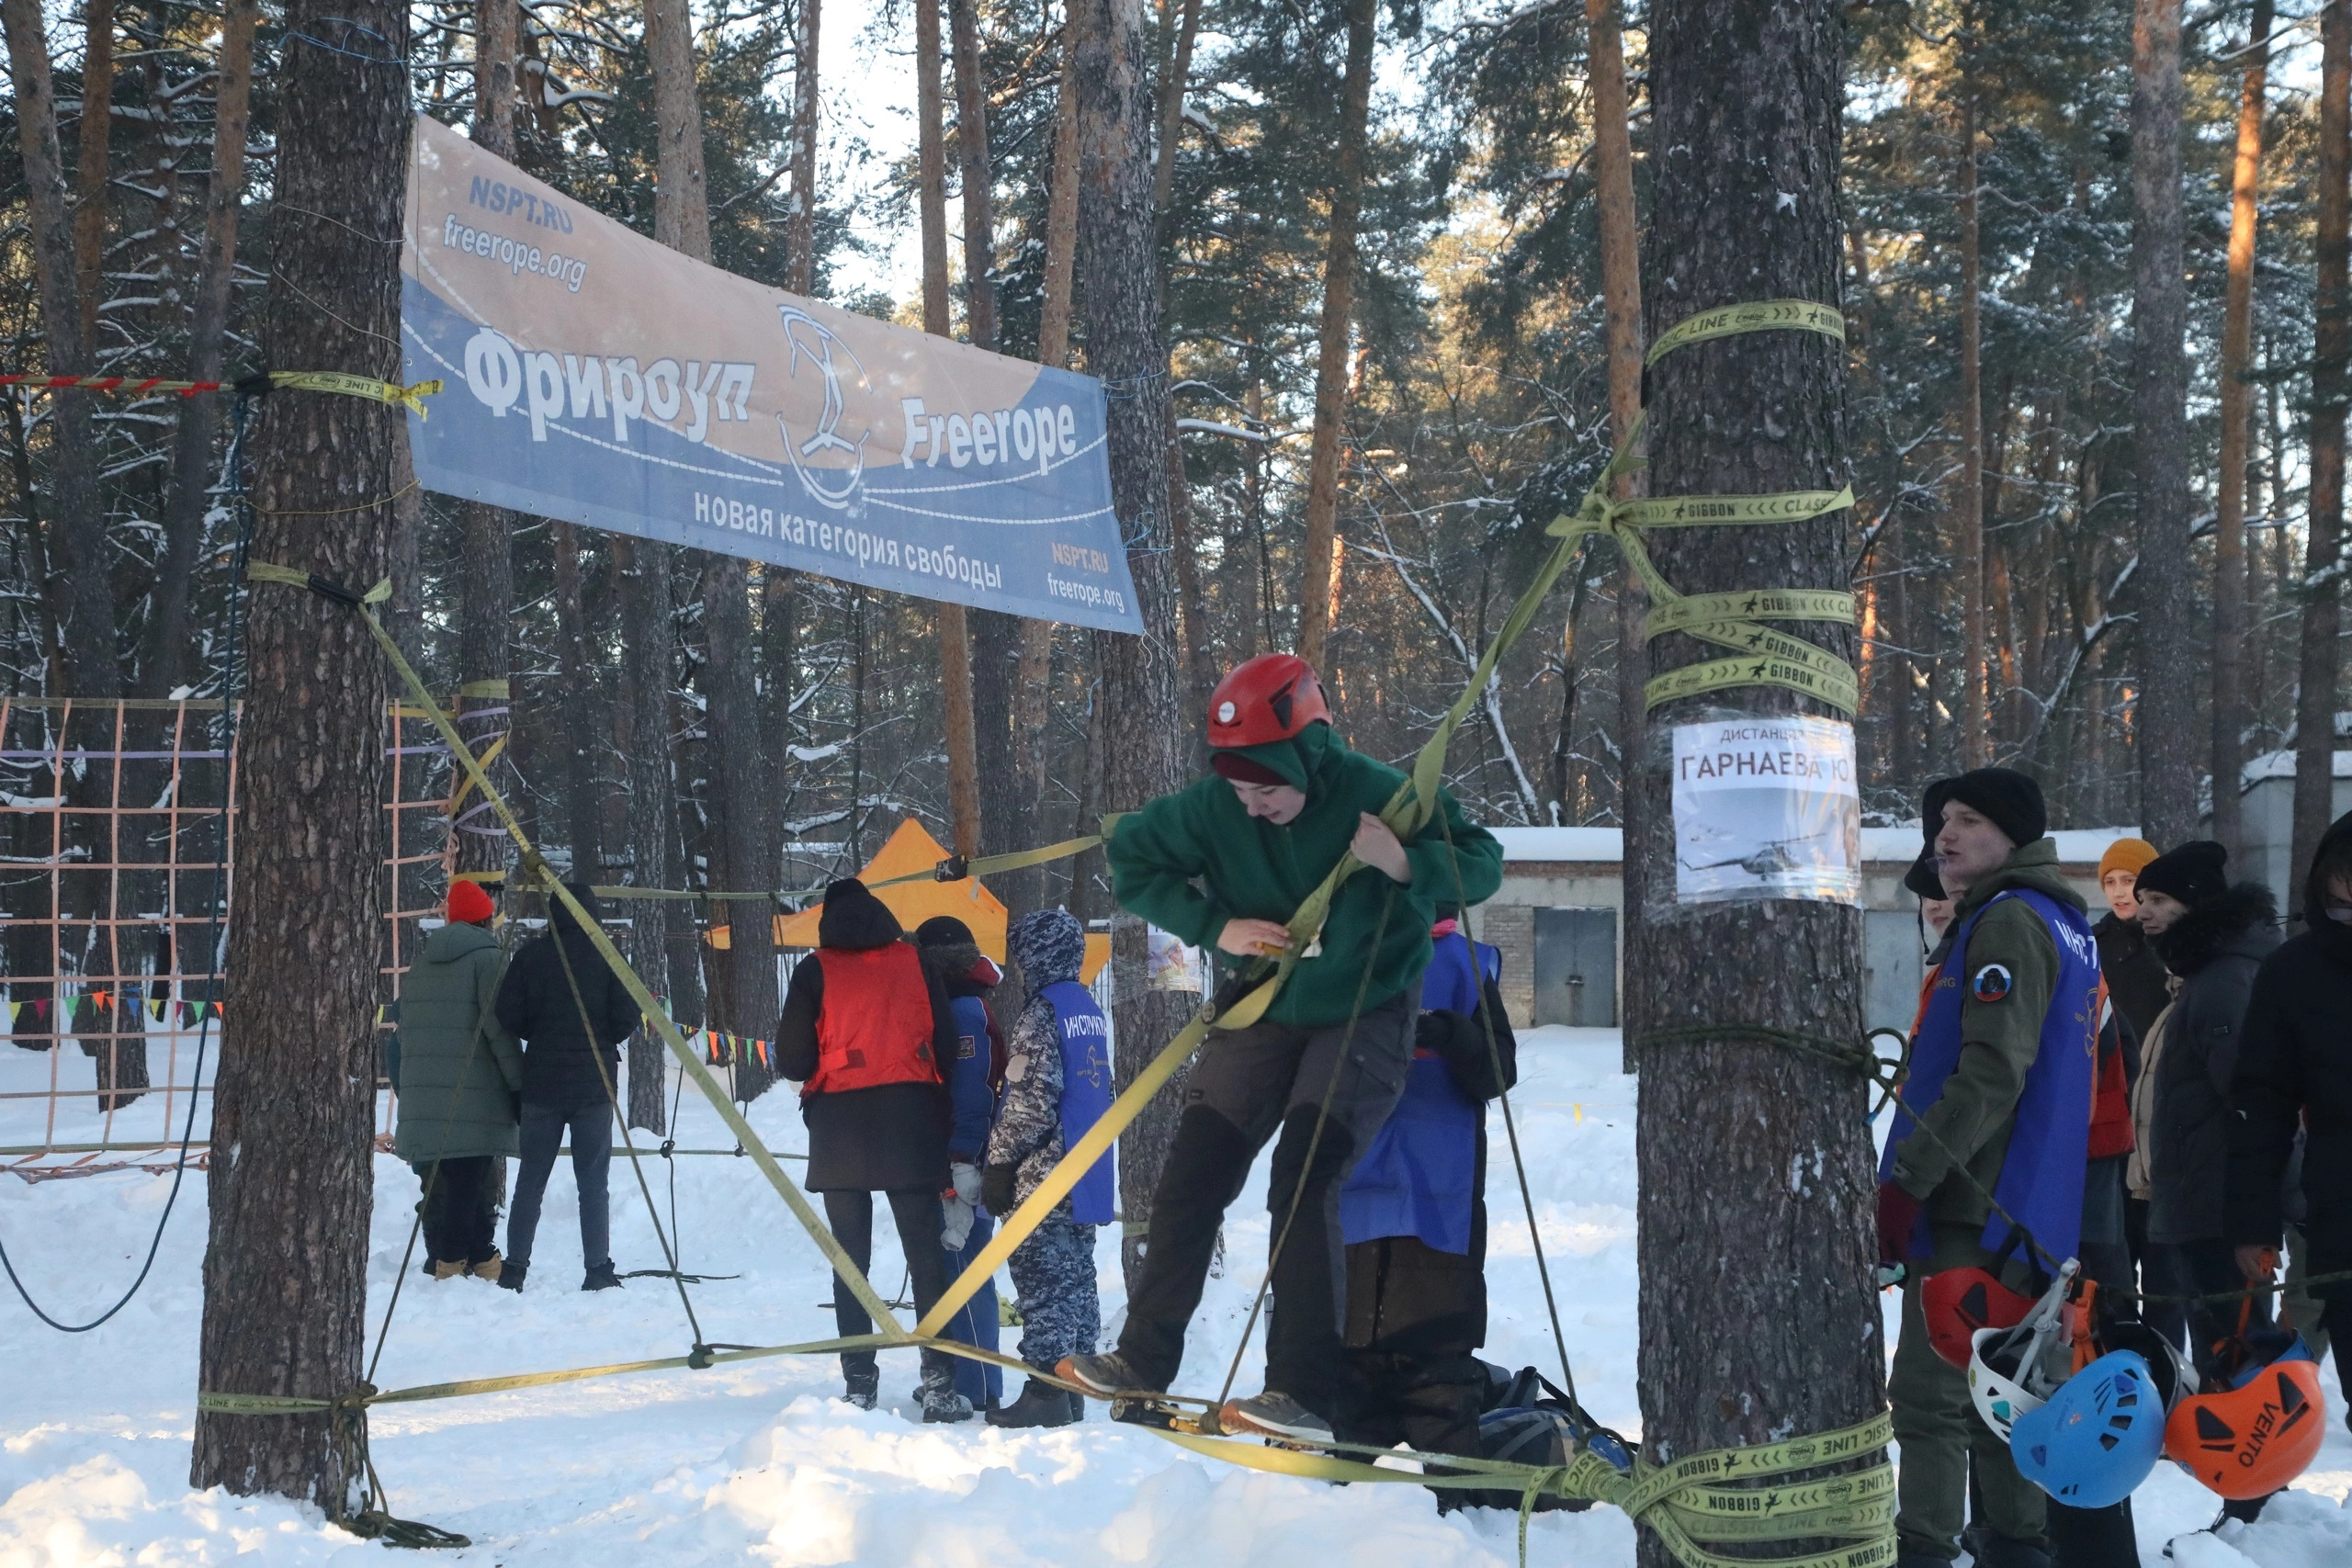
point(1957, 1301)
point(1272, 697)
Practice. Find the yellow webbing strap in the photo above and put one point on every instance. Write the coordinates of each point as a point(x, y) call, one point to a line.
point(655, 1017)
point(1688, 1503)
point(410, 397)
point(1732, 620)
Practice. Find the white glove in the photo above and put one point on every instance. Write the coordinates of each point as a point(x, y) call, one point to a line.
point(966, 1180)
point(956, 1221)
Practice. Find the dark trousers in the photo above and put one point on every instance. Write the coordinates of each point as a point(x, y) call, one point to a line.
point(590, 1124)
point(850, 1216)
point(1247, 1086)
point(1428, 1402)
point(2207, 1269)
point(460, 1225)
point(2167, 1318)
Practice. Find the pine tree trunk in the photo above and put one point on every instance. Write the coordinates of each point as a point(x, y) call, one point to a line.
point(2164, 736)
point(1757, 1317)
point(1142, 745)
point(94, 135)
point(286, 1267)
point(743, 782)
point(2237, 423)
point(169, 653)
point(2321, 658)
point(1621, 287)
point(1317, 581)
point(1005, 823)
point(648, 657)
point(800, 229)
point(1975, 740)
point(83, 601)
point(1171, 111)
point(578, 707)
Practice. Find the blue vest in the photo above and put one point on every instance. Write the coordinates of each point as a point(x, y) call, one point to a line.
point(1087, 1093)
point(1418, 1176)
point(2042, 1175)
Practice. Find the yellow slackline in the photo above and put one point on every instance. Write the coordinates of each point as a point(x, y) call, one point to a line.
point(1706, 1498)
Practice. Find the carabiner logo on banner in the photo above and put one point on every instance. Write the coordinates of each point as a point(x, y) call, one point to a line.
point(813, 341)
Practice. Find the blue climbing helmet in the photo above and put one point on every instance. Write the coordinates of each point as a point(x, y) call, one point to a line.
point(2101, 1433)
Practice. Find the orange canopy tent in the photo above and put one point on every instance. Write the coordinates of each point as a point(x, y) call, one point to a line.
point(910, 850)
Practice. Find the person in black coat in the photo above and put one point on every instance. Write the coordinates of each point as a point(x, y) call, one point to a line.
point(2294, 1070)
point(571, 1012)
point(2214, 937)
point(865, 1029)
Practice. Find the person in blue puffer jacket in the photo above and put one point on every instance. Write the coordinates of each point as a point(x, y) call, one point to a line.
point(975, 1078)
point(1414, 1215)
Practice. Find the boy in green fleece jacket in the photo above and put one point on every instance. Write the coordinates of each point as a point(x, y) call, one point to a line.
point(1224, 864)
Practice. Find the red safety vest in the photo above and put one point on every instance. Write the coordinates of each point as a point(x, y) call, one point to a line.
point(876, 1025)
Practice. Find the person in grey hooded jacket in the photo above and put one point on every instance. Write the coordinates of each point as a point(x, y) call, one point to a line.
point(459, 1073)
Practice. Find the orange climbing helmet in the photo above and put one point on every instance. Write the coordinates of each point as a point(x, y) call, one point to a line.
point(1272, 697)
point(1957, 1301)
point(2261, 1429)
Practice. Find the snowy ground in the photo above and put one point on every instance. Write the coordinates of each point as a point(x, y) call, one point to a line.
point(757, 1462)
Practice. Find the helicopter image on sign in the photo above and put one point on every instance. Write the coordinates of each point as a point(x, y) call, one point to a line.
point(1770, 860)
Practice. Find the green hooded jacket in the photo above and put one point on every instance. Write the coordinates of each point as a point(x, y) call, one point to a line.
point(1249, 868)
point(1998, 1044)
point(456, 1093)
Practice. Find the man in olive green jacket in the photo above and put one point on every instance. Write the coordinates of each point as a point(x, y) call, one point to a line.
point(1997, 990)
point(459, 1074)
point(1224, 864)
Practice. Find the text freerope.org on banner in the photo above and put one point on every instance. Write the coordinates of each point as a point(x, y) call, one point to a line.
point(599, 377)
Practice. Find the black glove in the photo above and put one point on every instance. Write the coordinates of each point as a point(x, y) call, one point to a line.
point(996, 1189)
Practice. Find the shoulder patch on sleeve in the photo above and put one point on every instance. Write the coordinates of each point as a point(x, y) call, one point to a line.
point(1992, 983)
point(964, 1047)
point(1017, 1069)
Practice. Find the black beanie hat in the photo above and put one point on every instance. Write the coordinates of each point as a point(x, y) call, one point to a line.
point(943, 930)
point(2009, 799)
point(1925, 878)
point(2194, 873)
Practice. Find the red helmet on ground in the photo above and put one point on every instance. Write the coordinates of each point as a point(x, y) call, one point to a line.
point(1957, 1301)
point(1272, 697)
point(2249, 1440)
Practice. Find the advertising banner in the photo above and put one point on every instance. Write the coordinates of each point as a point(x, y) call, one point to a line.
point(1766, 808)
point(597, 377)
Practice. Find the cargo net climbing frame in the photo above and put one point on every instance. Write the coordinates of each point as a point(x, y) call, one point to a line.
point(111, 835)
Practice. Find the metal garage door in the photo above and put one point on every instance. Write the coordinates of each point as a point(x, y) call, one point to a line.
point(1576, 967)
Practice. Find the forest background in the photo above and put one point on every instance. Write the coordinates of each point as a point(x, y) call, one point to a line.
point(1990, 208)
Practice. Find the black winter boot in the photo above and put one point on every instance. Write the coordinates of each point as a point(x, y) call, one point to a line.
point(601, 1278)
point(1040, 1405)
point(510, 1275)
point(862, 1386)
point(2006, 1551)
